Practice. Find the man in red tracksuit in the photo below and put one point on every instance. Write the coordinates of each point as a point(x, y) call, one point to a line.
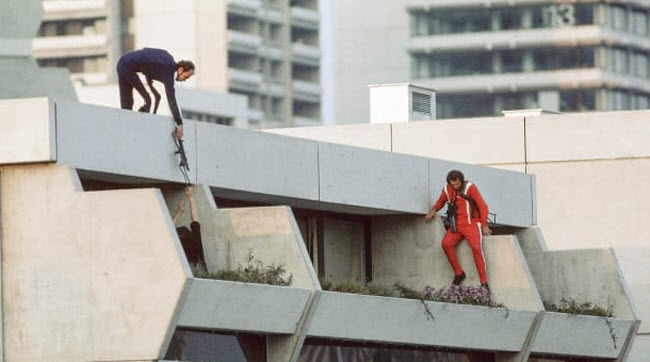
point(470, 223)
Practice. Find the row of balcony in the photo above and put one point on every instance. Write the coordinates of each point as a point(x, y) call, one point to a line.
point(251, 81)
point(70, 46)
point(556, 79)
point(585, 35)
point(74, 9)
point(302, 17)
point(253, 44)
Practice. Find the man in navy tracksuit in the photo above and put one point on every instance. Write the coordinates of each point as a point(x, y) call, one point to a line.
point(155, 64)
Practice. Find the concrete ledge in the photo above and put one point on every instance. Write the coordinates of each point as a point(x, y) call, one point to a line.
point(114, 141)
point(382, 180)
point(394, 320)
point(375, 136)
point(581, 335)
point(237, 306)
point(28, 131)
point(245, 160)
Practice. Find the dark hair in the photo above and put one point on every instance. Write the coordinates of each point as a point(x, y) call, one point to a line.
point(455, 175)
point(185, 64)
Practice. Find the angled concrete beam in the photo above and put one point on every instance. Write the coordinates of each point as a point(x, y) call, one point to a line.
point(105, 267)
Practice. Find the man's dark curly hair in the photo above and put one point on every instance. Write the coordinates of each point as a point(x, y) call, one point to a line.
point(186, 65)
point(455, 175)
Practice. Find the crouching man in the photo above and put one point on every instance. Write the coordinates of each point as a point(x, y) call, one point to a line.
point(468, 219)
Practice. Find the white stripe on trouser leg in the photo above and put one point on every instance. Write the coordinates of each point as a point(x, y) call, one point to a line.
point(480, 235)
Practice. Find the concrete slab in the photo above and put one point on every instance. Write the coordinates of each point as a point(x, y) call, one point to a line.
point(508, 194)
point(243, 307)
point(394, 320)
point(580, 335)
point(582, 204)
point(31, 126)
point(617, 134)
point(371, 136)
point(114, 141)
point(475, 141)
point(258, 162)
point(382, 180)
point(633, 262)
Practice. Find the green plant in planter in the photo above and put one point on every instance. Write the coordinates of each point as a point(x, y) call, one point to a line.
point(570, 306)
point(253, 271)
point(357, 287)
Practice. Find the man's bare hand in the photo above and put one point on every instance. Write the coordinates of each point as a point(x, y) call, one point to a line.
point(430, 216)
point(486, 230)
point(179, 131)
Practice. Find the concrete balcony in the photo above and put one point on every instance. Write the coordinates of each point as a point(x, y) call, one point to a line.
point(244, 7)
point(72, 9)
point(403, 321)
point(508, 39)
point(554, 79)
point(270, 14)
point(305, 18)
point(70, 46)
point(584, 35)
point(274, 87)
point(306, 91)
point(236, 306)
point(508, 82)
point(242, 42)
point(306, 54)
point(245, 80)
point(270, 50)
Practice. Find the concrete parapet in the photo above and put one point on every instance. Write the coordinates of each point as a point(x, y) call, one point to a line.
point(393, 320)
point(249, 161)
point(375, 179)
point(112, 141)
point(107, 144)
point(583, 276)
point(369, 136)
point(85, 275)
point(582, 336)
point(29, 129)
point(258, 308)
point(482, 141)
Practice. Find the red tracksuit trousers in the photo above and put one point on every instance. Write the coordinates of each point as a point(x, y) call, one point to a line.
point(472, 233)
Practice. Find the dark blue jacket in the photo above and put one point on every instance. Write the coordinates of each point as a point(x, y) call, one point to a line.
point(155, 64)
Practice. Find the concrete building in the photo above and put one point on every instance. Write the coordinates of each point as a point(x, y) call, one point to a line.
point(484, 57)
point(22, 77)
point(103, 204)
point(265, 50)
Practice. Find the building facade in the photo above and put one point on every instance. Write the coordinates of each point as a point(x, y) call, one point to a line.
point(486, 57)
point(265, 50)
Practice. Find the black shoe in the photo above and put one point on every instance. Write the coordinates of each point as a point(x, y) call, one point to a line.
point(486, 286)
point(458, 279)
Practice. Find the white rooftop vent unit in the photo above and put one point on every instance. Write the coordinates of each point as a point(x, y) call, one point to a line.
point(404, 102)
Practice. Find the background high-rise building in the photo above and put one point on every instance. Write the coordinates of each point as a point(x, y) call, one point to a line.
point(486, 57)
point(266, 50)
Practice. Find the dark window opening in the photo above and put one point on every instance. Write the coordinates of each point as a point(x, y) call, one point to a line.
point(213, 346)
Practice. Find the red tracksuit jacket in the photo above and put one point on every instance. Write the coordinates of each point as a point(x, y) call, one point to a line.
point(464, 212)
